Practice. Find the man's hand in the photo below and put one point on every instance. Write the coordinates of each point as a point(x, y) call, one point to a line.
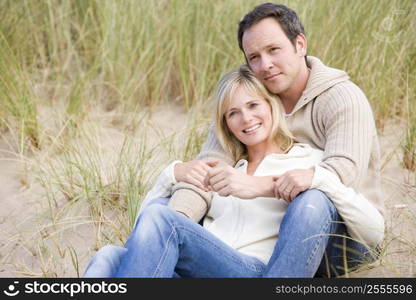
point(226, 181)
point(193, 172)
point(288, 185)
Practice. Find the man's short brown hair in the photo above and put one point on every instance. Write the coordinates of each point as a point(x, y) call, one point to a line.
point(286, 17)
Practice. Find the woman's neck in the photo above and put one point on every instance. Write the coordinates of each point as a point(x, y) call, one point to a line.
point(258, 152)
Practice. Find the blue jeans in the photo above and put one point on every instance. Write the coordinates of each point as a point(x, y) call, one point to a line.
point(164, 243)
point(313, 241)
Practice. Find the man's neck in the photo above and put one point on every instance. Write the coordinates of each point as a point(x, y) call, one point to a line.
point(291, 96)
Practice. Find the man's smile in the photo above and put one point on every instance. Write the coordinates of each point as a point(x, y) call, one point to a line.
point(272, 76)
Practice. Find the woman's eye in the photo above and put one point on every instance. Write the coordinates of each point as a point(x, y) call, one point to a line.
point(252, 105)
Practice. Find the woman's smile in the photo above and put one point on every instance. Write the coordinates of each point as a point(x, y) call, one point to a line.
point(252, 129)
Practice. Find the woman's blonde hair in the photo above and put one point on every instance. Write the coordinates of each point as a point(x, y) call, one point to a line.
point(243, 77)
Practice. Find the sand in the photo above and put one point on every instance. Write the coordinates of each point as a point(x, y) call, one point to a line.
point(38, 241)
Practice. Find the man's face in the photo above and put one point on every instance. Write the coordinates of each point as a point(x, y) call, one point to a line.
point(272, 57)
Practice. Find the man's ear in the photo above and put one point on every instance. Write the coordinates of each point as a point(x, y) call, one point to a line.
point(301, 44)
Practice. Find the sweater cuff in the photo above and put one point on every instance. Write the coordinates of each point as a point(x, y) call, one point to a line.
point(322, 178)
point(189, 203)
point(317, 177)
point(190, 200)
point(169, 173)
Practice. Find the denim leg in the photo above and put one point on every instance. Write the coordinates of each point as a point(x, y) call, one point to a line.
point(343, 254)
point(105, 262)
point(303, 236)
point(164, 241)
point(162, 201)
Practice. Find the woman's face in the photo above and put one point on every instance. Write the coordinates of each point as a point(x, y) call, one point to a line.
point(249, 117)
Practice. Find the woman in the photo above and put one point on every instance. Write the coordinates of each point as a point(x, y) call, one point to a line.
point(238, 235)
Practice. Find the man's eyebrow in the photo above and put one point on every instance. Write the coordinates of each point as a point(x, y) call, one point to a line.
point(270, 45)
point(253, 53)
point(274, 44)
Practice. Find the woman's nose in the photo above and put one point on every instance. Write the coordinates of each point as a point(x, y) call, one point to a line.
point(246, 116)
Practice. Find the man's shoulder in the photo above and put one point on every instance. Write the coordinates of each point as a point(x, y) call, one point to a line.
point(328, 82)
point(343, 94)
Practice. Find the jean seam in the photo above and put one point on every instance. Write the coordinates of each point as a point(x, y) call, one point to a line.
point(165, 253)
point(315, 247)
point(248, 265)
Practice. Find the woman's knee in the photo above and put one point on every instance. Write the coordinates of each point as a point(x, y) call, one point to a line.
point(155, 215)
point(156, 211)
point(313, 203)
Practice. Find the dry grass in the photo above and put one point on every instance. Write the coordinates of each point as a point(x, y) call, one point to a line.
point(102, 94)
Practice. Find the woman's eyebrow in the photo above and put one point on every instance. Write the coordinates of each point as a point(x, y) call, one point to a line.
point(231, 109)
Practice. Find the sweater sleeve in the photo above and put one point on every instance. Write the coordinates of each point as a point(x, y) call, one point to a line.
point(190, 200)
point(163, 186)
point(363, 221)
point(193, 201)
point(348, 123)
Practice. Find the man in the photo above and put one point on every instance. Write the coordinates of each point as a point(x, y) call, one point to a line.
point(324, 109)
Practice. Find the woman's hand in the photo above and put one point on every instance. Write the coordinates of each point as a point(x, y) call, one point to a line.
point(288, 185)
point(193, 172)
point(227, 181)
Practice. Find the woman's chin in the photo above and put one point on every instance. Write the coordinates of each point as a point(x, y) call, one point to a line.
point(254, 142)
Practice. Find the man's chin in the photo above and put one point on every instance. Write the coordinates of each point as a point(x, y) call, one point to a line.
point(274, 90)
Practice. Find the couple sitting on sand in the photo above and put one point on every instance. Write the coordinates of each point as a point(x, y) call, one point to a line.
point(286, 185)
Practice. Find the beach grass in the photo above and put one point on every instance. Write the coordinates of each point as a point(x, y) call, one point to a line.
point(81, 80)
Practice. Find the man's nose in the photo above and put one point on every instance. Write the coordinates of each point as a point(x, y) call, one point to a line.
point(266, 63)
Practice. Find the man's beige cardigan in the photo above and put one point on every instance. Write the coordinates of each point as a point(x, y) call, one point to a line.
point(333, 115)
